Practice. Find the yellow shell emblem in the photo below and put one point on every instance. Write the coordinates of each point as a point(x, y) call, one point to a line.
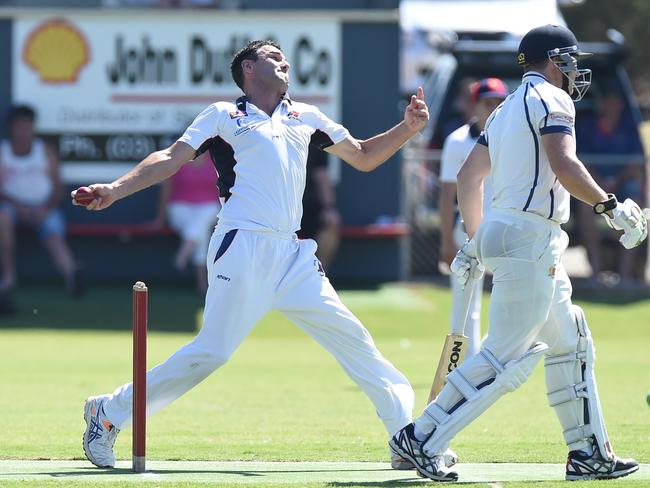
point(57, 51)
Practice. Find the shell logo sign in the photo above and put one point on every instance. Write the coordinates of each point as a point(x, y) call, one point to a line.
point(57, 51)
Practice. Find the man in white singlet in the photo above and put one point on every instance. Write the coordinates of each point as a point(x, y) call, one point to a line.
point(30, 192)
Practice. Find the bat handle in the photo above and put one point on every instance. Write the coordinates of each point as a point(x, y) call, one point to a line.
point(466, 301)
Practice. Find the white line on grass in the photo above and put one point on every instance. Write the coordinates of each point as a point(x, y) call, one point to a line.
point(285, 473)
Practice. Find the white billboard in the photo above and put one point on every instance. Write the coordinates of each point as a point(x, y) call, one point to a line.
point(110, 88)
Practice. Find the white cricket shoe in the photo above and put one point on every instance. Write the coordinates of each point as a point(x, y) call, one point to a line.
point(399, 463)
point(450, 457)
point(582, 466)
point(405, 444)
point(100, 434)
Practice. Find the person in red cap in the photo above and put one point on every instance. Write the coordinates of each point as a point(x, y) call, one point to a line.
point(486, 95)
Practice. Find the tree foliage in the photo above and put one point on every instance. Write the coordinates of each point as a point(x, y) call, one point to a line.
point(591, 20)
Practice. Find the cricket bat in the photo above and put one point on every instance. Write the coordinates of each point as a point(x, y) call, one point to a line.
point(453, 351)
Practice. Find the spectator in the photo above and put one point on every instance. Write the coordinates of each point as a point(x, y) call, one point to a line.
point(611, 131)
point(189, 200)
point(320, 218)
point(30, 191)
point(462, 111)
point(486, 95)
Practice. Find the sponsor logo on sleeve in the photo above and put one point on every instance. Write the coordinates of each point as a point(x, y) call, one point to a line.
point(561, 117)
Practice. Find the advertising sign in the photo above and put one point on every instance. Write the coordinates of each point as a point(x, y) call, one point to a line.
point(109, 89)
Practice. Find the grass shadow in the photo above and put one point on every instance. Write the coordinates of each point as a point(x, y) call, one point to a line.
point(380, 484)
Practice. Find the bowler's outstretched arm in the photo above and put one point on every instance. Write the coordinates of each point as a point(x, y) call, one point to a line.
point(153, 169)
point(367, 155)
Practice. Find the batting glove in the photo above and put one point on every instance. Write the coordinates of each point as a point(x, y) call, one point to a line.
point(465, 265)
point(629, 218)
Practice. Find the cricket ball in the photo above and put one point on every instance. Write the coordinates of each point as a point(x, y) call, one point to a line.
point(84, 196)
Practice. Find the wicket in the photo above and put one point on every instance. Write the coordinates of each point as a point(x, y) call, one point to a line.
point(140, 313)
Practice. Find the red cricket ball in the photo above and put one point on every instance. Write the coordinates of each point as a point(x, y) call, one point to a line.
point(84, 195)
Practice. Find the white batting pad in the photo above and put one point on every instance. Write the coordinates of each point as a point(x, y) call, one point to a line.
point(570, 383)
point(476, 398)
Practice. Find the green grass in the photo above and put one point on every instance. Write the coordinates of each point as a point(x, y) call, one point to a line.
point(281, 397)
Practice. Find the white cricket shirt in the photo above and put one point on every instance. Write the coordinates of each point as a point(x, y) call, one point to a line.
point(457, 146)
point(261, 160)
point(522, 177)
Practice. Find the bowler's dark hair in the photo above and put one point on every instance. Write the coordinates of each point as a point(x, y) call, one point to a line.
point(21, 111)
point(537, 65)
point(249, 51)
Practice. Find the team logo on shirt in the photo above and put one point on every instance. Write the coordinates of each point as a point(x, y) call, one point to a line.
point(242, 127)
point(238, 114)
point(293, 115)
point(242, 130)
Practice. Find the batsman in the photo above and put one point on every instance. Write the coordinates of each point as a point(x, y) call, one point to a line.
point(528, 149)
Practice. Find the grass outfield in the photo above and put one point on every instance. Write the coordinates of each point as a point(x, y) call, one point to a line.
point(281, 397)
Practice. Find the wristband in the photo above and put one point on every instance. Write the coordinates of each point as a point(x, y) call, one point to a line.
point(607, 205)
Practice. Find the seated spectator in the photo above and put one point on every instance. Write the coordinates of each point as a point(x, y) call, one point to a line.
point(612, 131)
point(189, 201)
point(30, 191)
point(320, 218)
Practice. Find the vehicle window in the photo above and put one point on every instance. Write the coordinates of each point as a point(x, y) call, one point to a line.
point(607, 84)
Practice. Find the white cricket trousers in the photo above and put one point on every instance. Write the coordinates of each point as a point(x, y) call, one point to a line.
point(531, 292)
point(530, 301)
point(249, 274)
